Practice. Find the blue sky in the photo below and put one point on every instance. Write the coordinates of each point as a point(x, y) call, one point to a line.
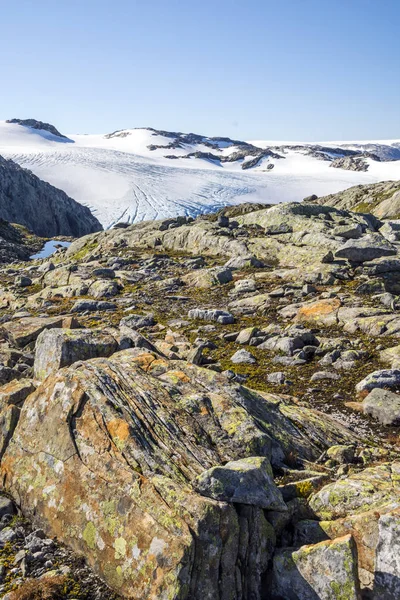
point(251, 69)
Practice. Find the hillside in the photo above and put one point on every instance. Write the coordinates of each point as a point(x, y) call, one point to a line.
point(139, 174)
point(42, 208)
point(204, 409)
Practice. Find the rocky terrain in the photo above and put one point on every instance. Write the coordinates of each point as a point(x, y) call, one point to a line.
point(205, 409)
point(380, 199)
point(42, 208)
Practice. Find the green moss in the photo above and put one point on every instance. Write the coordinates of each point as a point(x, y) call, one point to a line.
point(89, 535)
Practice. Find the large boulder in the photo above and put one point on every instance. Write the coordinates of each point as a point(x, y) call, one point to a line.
point(103, 456)
point(57, 348)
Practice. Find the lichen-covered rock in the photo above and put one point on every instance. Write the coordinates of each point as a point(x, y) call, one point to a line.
point(103, 456)
point(57, 348)
point(23, 331)
point(324, 571)
point(246, 481)
point(320, 311)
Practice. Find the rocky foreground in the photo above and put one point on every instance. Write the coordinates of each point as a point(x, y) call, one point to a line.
point(205, 409)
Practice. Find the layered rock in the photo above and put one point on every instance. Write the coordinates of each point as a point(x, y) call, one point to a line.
point(105, 454)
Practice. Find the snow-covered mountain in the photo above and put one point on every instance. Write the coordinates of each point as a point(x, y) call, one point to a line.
point(139, 174)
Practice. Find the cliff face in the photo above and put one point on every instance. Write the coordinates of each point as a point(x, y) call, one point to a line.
point(44, 209)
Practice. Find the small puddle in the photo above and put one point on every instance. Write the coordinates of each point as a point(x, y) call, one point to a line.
point(49, 248)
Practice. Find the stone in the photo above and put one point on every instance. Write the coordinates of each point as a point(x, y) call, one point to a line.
point(341, 454)
point(277, 377)
point(103, 273)
point(320, 311)
point(246, 481)
point(348, 231)
point(138, 321)
point(7, 535)
point(104, 288)
point(383, 405)
point(245, 335)
point(220, 316)
point(16, 392)
point(243, 357)
point(208, 278)
point(391, 356)
point(92, 306)
point(23, 281)
point(324, 375)
point(58, 348)
point(323, 571)
point(367, 248)
point(288, 345)
point(387, 567)
point(258, 303)
point(244, 262)
point(367, 490)
point(26, 330)
point(385, 378)
point(7, 507)
point(244, 286)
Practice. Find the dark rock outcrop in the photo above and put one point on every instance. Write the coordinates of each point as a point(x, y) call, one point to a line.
point(44, 209)
point(34, 124)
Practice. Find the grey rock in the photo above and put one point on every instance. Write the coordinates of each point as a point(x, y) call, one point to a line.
point(324, 375)
point(387, 561)
point(138, 321)
point(220, 316)
point(379, 379)
point(7, 535)
point(277, 377)
point(245, 481)
point(348, 232)
point(22, 281)
point(367, 248)
point(103, 273)
point(243, 357)
point(244, 262)
point(92, 305)
point(383, 405)
point(57, 348)
point(318, 572)
point(7, 507)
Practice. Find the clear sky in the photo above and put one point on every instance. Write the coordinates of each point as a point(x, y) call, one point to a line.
point(251, 69)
